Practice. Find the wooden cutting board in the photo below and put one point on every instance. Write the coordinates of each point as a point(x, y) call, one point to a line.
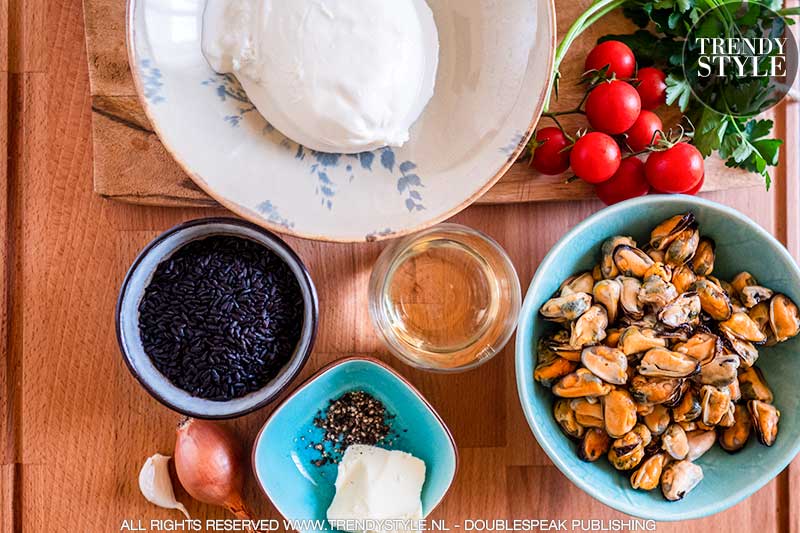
point(131, 164)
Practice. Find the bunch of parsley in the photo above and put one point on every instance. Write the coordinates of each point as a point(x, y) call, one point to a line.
point(740, 138)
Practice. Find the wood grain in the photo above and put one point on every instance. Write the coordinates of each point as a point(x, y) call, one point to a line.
point(82, 425)
point(131, 165)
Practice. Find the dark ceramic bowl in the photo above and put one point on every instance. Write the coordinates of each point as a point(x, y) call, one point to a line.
point(138, 278)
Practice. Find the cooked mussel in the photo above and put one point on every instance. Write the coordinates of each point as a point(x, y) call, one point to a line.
point(679, 478)
point(656, 292)
point(689, 408)
point(590, 328)
point(655, 390)
point(675, 442)
point(658, 420)
point(634, 339)
point(752, 295)
point(733, 438)
point(682, 311)
point(566, 308)
point(700, 442)
point(594, 445)
point(742, 280)
point(784, 317)
point(619, 413)
point(631, 261)
point(701, 346)
point(608, 293)
point(580, 383)
point(682, 248)
point(703, 260)
point(648, 475)
point(742, 327)
point(559, 343)
point(552, 368)
point(609, 364)
point(683, 278)
point(753, 385)
point(608, 268)
point(629, 298)
point(588, 412)
point(720, 371)
point(665, 232)
point(582, 282)
point(765, 418)
point(662, 362)
point(627, 452)
point(660, 270)
point(713, 299)
point(715, 402)
point(565, 416)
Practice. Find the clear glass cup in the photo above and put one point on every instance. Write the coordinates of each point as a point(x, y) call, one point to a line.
point(445, 299)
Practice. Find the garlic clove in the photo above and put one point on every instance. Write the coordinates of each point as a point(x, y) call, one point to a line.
point(156, 485)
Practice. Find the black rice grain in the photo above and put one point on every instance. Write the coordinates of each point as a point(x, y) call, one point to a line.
point(221, 317)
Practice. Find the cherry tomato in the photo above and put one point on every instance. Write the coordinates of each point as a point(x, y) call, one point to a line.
point(652, 87)
point(550, 156)
point(614, 54)
point(643, 130)
point(612, 107)
point(595, 157)
point(696, 189)
point(676, 170)
point(627, 182)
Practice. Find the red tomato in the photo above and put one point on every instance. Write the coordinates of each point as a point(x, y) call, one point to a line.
point(550, 156)
point(652, 87)
point(642, 131)
point(696, 189)
point(676, 170)
point(627, 182)
point(595, 157)
point(612, 107)
point(614, 54)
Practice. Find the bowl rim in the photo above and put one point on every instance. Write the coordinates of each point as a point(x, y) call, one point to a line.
point(255, 218)
point(528, 314)
point(321, 372)
point(305, 280)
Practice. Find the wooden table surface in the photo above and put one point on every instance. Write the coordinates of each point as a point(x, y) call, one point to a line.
point(76, 426)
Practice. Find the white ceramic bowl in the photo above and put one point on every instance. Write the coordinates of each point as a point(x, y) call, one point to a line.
point(495, 64)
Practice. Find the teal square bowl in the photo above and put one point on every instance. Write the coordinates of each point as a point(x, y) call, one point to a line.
point(282, 455)
point(741, 245)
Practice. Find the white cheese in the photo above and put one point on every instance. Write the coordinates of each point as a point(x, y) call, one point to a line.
point(377, 484)
point(333, 75)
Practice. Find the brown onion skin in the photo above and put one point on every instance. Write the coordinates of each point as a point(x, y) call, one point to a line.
point(209, 463)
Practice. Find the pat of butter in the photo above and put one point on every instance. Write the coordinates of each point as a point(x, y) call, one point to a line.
point(377, 484)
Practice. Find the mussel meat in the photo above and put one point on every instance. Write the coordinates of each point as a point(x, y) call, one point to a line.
point(765, 418)
point(590, 328)
point(675, 442)
point(753, 385)
point(733, 438)
point(661, 362)
point(594, 445)
point(609, 364)
point(619, 413)
point(784, 317)
point(703, 260)
point(648, 475)
point(679, 478)
point(580, 383)
point(566, 308)
point(608, 293)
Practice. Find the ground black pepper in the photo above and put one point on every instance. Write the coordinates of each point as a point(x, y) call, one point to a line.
point(356, 417)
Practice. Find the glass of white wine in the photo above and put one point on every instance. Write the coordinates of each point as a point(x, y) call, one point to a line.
point(445, 299)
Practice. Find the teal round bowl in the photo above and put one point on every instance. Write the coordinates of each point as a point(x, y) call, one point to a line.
point(741, 245)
